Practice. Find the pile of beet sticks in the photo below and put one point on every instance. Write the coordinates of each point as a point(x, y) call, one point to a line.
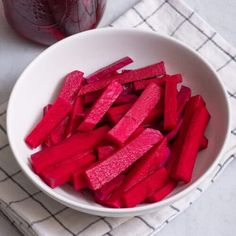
point(127, 136)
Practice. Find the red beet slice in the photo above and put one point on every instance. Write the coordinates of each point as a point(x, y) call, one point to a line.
point(105, 151)
point(151, 161)
point(170, 107)
point(47, 142)
point(136, 115)
point(139, 192)
point(101, 106)
point(162, 154)
point(161, 81)
point(79, 179)
point(104, 193)
point(114, 114)
point(76, 116)
point(182, 99)
point(124, 99)
point(204, 143)
point(163, 192)
point(70, 147)
point(142, 84)
point(61, 173)
point(154, 116)
point(145, 188)
point(71, 86)
point(57, 113)
point(193, 104)
point(107, 70)
point(59, 133)
point(134, 75)
point(173, 133)
point(189, 139)
point(90, 98)
point(106, 170)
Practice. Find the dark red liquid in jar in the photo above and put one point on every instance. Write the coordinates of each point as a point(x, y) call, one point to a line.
point(47, 21)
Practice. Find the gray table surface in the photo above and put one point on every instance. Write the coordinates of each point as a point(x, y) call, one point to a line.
point(214, 213)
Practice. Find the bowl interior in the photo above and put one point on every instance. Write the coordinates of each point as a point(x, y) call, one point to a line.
point(87, 52)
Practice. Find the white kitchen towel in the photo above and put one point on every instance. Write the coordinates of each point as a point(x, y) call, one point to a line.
point(33, 213)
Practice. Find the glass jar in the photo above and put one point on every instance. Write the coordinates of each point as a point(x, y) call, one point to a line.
point(47, 21)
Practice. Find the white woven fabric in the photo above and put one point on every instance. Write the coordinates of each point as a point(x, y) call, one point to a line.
point(33, 213)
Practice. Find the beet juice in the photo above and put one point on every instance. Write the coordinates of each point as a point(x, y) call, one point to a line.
point(47, 21)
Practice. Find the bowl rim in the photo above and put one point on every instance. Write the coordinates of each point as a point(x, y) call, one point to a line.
point(97, 210)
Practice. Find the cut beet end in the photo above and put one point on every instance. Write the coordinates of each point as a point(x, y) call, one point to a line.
point(71, 86)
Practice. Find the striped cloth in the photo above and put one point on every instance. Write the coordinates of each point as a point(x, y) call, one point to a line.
point(33, 213)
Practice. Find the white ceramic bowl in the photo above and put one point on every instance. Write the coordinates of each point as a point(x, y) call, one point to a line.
point(89, 51)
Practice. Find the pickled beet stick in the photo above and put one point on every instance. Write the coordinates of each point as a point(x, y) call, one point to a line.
point(163, 192)
point(151, 161)
point(76, 144)
point(101, 106)
point(131, 76)
point(161, 81)
point(136, 115)
point(106, 170)
point(59, 110)
point(170, 106)
point(60, 174)
point(109, 69)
